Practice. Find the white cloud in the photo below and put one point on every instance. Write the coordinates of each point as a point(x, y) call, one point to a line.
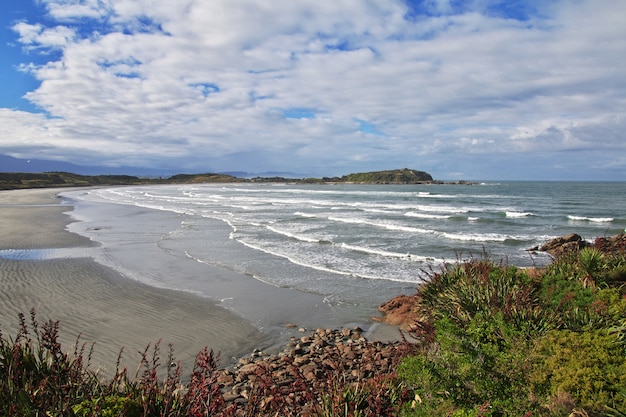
point(70, 10)
point(37, 37)
point(197, 82)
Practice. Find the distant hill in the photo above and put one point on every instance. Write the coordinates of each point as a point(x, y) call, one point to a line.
point(10, 164)
point(396, 176)
point(201, 178)
point(15, 180)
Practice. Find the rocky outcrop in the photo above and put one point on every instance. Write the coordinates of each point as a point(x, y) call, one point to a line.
point(399, 311)
point(561, 245)
point(572, 242)
point(311, 361)
point(613, 245)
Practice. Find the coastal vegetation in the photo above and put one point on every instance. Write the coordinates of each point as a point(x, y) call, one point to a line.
point(397, 176)
point(13, 181)
point(18, 180)
point(489, 339)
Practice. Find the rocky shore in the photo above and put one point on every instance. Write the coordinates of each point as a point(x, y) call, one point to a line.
point(316, 361)
point(307, 364)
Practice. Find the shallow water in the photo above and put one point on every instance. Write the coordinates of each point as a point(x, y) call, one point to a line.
point(350, 246)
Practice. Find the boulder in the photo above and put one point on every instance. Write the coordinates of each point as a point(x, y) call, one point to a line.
point(564, 244)
point(613, 245)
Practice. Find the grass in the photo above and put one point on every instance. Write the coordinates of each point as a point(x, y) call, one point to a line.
point(501, 342)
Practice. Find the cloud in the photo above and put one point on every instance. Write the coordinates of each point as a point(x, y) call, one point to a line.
point(38, 37)
point(72, 10)
point(322, 87)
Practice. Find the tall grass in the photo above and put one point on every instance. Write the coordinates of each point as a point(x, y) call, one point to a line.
point(37, 376)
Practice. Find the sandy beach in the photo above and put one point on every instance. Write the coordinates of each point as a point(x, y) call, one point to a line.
point(97, 302)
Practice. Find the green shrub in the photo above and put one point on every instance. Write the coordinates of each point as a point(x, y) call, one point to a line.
point(590, 366)
point(108, 406)
point(507, 344)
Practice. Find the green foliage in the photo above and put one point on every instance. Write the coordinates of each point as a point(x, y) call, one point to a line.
point(508, 344)
point(484, 363)
point(461, 291)
point(396, 176)
point(590, 365)
point(108, 406)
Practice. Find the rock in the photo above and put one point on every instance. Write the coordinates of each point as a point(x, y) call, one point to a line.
point(613, 245)
point(249, 368)
point(399, 311)
point(564, 244)
point(225, 378)
point(307, 363)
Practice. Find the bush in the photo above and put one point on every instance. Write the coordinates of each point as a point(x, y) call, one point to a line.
point(507, 344)
point(590, 366)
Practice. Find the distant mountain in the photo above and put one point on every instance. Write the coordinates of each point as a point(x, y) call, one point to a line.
point(10, 164)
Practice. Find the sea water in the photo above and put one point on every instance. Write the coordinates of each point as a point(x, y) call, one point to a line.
point(354, 245)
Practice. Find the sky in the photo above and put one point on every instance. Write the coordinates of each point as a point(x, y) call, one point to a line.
point(474, 89)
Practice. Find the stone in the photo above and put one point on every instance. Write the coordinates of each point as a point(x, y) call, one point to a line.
point(564, 244)
point(323, 354)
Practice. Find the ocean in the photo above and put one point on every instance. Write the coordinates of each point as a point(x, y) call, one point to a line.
point(354, 246)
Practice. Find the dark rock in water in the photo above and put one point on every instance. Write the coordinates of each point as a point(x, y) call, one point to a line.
point(561, 245)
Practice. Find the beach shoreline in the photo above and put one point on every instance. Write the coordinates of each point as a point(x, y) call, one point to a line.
point(96, 302)
point(102, 305)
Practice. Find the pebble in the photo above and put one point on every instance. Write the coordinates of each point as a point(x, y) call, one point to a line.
point(314, 356)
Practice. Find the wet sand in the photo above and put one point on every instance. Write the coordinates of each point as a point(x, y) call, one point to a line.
point(98, 303)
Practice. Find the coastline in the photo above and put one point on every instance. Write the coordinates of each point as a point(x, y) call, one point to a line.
point(96, 302)
point(104, 306)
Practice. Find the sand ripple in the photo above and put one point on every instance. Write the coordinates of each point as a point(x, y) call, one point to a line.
point(91, 299)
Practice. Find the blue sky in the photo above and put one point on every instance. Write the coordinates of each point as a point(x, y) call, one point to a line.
point(475, 89)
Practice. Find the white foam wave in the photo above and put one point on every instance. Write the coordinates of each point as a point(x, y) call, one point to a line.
point(476, 237)
point(387, 254)
point(292, 235)
point(307, 215)
point(517, 214)
point(590, 219)
point(317, 267)
point(378, 252)
point(438, 209)
point(425, 215)
point(388, 226)
point(426, 194)
point(376, 210)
